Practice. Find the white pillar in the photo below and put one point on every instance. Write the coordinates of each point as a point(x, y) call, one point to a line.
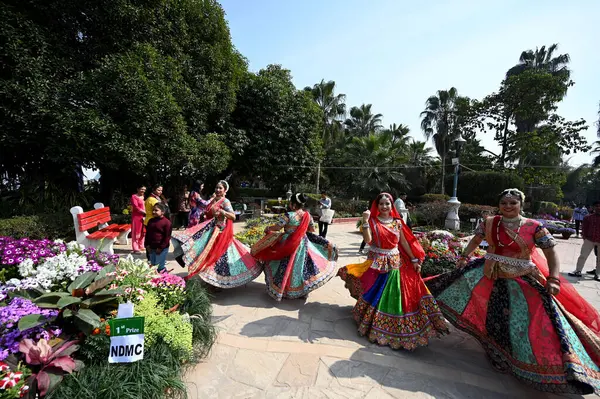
point(452, 219)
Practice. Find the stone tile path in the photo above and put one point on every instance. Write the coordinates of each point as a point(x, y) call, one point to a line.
point(310, 348)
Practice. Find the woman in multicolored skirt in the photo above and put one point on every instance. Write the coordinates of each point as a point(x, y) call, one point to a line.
point(210, 250)
point(394, 306)
point(296, 261)
point(530, 321)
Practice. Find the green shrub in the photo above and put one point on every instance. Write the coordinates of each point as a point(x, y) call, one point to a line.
point(565, 213)
point(52, 226)
point(257, 192)
point(470, 211)
point(197, 304)
point(151, 378)
point(545, 207)
point(483, 187)
point(433, 197)
point(430, 213)
point(172, 328)
point(350, 207)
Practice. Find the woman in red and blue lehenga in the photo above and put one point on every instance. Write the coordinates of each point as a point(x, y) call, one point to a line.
point(296, 261)
point(394, 306)
point(210, 250)
point(531, 322)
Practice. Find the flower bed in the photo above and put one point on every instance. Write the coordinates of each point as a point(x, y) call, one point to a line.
point(557, 227)
point(442, 251)
point(55, 309)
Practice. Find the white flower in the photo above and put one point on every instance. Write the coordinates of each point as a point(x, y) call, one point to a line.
point(74, 246)
point(15, 282)
point(59, 241)
point(26, 268)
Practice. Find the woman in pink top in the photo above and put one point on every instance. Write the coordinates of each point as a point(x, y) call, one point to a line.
point(138, 213)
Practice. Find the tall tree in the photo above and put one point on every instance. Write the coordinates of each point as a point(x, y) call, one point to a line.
point(283, 124)
point(419, 154)
point(333, 107)
point(362, 121)
point(378, 156)
point(98, 84)
point(542, 59)
point(400, 133)
point(441, 122)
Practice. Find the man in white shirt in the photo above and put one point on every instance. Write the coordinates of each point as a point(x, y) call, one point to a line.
point(578, 214)
point(324, 203)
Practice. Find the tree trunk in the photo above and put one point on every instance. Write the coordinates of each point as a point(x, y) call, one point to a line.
point(442, 191)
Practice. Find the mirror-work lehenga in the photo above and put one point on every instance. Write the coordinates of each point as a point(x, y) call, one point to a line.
point(295, 261)
point(394, 307)
point(212, 252)
point(551, 343)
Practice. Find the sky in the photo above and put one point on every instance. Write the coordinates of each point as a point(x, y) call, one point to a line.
point(394, 54)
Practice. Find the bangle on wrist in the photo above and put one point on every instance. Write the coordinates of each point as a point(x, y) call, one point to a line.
point(555, 279)
point(365, 225)
point(414, 260)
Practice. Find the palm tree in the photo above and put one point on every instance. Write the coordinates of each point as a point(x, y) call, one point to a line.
point(362, 122)
point(378, 157)
point(419, 154)
point(541, 59)
point(400, 133)
point(333, 107)
point(440, 123)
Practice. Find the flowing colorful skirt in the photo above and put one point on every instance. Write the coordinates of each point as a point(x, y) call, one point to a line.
point(311, 266)
point(236, 267)
point(524, 330)
point(393, 308)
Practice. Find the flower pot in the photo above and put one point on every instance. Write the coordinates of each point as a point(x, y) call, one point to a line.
point(566, 235)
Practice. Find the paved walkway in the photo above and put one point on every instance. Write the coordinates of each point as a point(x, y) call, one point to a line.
point(310, 348)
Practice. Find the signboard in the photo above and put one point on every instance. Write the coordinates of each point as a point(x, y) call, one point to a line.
point(126, 340)
point(454, 161)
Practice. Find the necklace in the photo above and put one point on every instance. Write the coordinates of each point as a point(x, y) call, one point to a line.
point(385, 221)
point(510, 223)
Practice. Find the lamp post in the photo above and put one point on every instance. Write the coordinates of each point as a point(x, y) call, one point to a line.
point(452, 219)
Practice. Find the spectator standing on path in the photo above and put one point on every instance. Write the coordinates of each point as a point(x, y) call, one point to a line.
point(578, 214)
point(590, 232)
point(153, 199)
point(184, 207)
point(324, 204)
point(158, 237)
point(165, 201)
point(138, 213)
point(400, 205)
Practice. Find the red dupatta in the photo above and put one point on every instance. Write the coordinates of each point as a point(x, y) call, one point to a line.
point(385, 238)
point(568, 296)
point(286, 248)
point(222, 241)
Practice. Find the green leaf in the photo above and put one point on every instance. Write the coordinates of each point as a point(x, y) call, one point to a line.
point(33, 320)
point(50, 300)
point(113, 292)
point(86, 320)
point(67, 300)
point(82, 281)
point(67, 313)
point(102, 273)
point(88, 303)
point(98, 284)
